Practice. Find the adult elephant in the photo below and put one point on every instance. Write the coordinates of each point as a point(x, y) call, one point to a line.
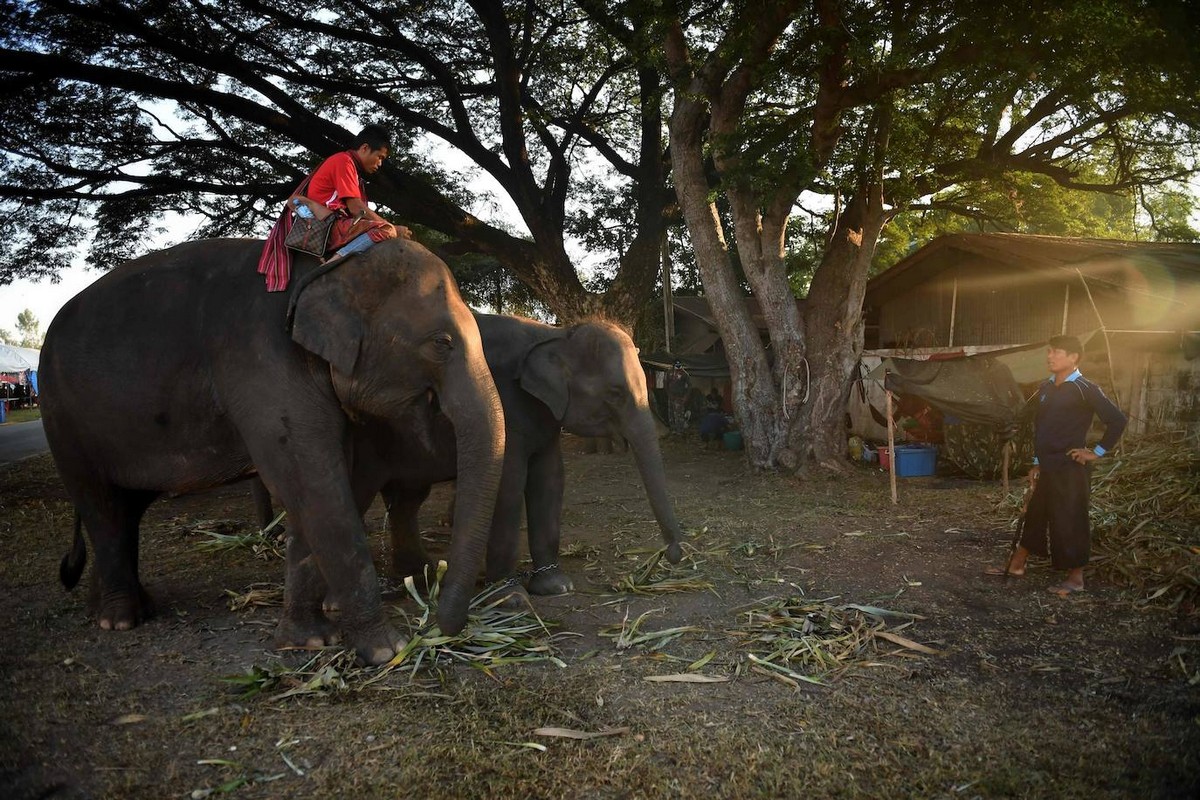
point(176, 372)
point(585, 379)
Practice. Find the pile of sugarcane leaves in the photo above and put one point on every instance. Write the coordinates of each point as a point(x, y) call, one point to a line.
point(1145, 503)
point(1145, 515)
point(793, 640)
point(796, 640)
point(221, 535)
point(493, 637)
point(656, 575)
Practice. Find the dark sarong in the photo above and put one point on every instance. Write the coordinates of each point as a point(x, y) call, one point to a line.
point(1056, 523)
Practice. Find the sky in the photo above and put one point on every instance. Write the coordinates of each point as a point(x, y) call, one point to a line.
point(43, 298)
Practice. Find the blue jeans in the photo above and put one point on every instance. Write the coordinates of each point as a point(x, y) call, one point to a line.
point(356, 245)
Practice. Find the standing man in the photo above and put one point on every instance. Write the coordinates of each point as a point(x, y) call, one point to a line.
point(1056, 521)
point(679, 386)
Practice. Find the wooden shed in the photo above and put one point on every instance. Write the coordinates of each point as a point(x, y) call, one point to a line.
point(1136, 304)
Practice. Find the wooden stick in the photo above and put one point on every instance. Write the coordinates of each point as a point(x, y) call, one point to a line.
point(891, 442)
point(1007, 447)
point(1112, 372)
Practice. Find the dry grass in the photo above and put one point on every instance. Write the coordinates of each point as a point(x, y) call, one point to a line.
point(1145, 518)
point(655, 694)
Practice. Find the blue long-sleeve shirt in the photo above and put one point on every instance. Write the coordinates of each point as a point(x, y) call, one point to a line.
point(1064, 415)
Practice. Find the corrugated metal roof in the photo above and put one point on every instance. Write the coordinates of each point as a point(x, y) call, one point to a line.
point(1180, 260)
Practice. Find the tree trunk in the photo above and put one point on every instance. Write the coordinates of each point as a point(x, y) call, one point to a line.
point(754, 393)
point(791, 411)
point(767, 392)
point(833, 321)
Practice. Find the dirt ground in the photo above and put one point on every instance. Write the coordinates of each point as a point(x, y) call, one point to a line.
point(1029, 695)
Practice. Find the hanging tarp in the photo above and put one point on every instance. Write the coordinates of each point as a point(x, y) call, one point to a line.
point(979, 389)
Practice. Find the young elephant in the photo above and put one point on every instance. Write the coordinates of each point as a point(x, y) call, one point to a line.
point(176, 372)
point(585, 379)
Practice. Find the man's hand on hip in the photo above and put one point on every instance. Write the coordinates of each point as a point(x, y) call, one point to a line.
point(1082, 455)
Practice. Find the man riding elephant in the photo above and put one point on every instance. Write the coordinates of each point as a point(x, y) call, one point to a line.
point(338, 187)
point(224, 389)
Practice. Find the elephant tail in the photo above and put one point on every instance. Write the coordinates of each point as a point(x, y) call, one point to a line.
point(73, 562)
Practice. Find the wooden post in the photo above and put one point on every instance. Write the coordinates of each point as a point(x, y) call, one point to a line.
point(668, 294)
point(891, 441)
point(953, 312)
point(1066, 308)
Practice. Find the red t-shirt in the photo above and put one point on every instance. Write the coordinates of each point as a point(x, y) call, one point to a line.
point(336, 179)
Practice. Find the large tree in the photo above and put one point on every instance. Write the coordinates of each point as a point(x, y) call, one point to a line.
point(119, 112)
point(886, 107)
point(29, 332)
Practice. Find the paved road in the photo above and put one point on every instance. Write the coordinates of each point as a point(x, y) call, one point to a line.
point(20, 440)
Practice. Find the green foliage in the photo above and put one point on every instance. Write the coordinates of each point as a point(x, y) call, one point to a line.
point(485, 284)
point(145, 112)
point(1047, 120)
point(1169, 214)
point(29, 332)
point(1015, 202)
point(124, 116)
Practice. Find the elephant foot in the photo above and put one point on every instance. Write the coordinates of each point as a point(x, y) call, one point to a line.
point(512, 597)
point(377, 644)
point(388, 590)
point(124, 610)
point(550, 580)
point(305, 632)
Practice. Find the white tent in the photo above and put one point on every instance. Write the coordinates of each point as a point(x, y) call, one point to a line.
point(30, 355)
point(17, 359)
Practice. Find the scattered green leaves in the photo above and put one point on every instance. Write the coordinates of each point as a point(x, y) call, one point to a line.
point(795, 640)
point(221, 536)
point(656, 575)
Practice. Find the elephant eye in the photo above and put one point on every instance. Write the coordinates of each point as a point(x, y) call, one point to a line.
point(439, 346)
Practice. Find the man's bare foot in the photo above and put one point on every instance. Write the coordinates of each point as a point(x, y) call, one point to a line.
point(1065, 588)
point(1005, 570)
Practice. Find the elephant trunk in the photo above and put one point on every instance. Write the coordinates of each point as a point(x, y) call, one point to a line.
point(469, 399)
point(642, 434)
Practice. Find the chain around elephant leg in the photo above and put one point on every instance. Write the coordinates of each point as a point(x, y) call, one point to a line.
point(550, 580)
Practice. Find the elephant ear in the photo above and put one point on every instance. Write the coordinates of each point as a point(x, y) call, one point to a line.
point(329, 322)
point(544, 375)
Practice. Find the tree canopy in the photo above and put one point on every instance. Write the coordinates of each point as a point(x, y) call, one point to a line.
point(28, 333)
point(603, 124)
point(889, 108)
point(124, 113)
